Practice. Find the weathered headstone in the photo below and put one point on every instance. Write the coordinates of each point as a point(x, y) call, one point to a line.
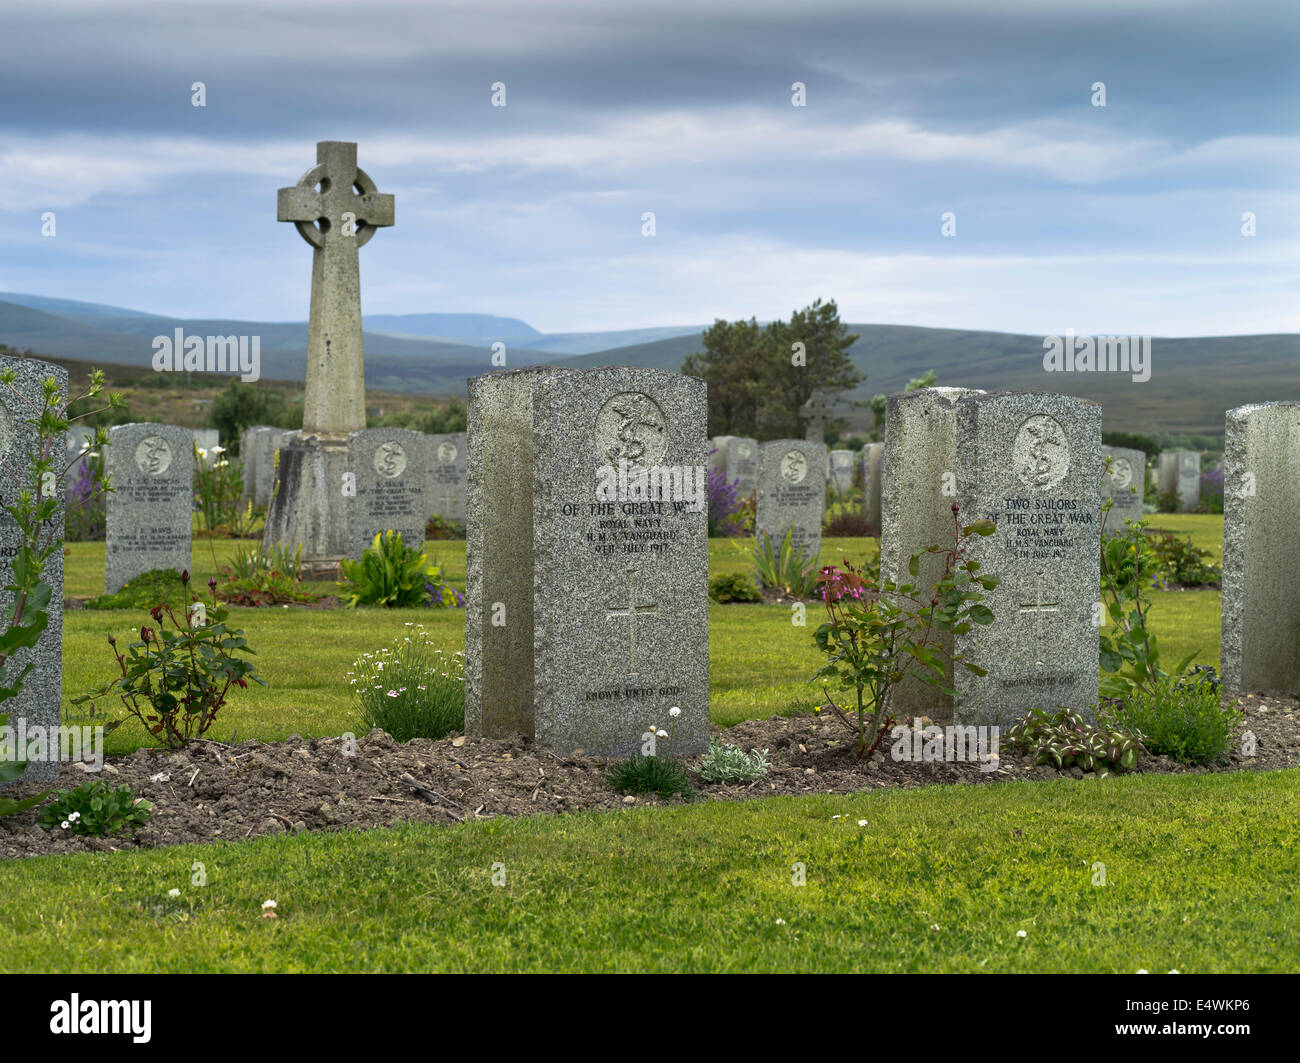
point(616, 628)
point(1260, 646)
point(918, 487)
point(814, 413)
point(392, 485)
point(206, 440)
point(270, 444)
point(841, 471)
point(449, 465)
point(621, 602)
point(737, 458)
point(336, 209)
point(248, 457)
point(149, 521)
point(1179, 474)
point(791, 495)
point(872, 455)
point(1123, 484)
point(1029, 462)
point(37, 706)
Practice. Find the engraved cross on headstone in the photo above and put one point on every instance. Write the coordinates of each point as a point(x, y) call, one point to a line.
point(631, 612)
point(814, 413)
point(336, 208)
point(1038, 607)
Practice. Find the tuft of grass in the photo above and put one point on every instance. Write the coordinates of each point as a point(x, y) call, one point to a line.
point(650, 775)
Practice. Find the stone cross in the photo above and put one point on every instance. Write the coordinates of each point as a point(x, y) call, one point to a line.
point(1039, 607)
point(814, 413)
point(631, 612)
point(336, 208)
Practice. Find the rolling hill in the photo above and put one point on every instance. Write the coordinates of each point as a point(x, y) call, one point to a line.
point(1193, 380)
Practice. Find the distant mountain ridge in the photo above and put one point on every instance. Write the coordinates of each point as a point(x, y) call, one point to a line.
point(1193, 380)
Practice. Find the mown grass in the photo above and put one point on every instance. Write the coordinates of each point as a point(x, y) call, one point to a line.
point(760, 659)
point(1199, 876)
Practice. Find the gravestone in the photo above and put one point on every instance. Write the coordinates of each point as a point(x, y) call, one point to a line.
point(841, 471)
point(270, 444)
point(1179, 474)
point(621, 584)
point(814, 413)
point(248, 456)
point(1123, 485)
point(336, 209)
point(872, 455)
point(206, 440)
point(392, 485)
point(449, 465)
point(1261, 512)
point(616, 625)
point(791, 495)
point(737, 458)
point(918, 475)
point(149, 513)
point(37, 706)
point(1029, 462)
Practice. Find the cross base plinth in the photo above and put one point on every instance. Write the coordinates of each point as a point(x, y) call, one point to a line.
point(308, 507)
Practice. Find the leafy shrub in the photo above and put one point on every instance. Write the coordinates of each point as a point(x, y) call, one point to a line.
point(1129, 652)
point(1211, 491)
point(784, 568)
point(878, 631)
point(95, 808)
point(86, 517)
point(1065, 739)
point(848, 525)
point(1181, 718)
point(273, 577)
point(725, 763)
point(1180, 561)
point(218, 487)
point(176, 681)
point(411, 689)
point(160, 586)
point(395, 575)
point(726, 508)
point(650, 775)
point(726, 587)
point(440, 527)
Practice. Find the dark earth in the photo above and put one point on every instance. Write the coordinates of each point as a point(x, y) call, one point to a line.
point(212, 791)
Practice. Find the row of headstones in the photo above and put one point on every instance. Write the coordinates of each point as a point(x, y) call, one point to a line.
point(398, 471)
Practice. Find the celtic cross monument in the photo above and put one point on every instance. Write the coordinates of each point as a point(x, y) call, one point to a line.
point(336, 209)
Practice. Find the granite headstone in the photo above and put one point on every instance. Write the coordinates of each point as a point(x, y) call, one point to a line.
point(392, 487)
point(149, 522)
point(1123, 484)
point(791, 495)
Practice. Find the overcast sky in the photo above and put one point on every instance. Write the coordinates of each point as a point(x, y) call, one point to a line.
point(1124, 218)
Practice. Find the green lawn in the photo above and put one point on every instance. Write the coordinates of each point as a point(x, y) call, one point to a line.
point(1199, 877)
point(760, 661)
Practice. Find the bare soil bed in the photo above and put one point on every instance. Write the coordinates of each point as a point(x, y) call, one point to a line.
point(211, 791)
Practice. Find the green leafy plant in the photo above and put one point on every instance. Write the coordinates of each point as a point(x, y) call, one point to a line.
point(411, 689)
point(1129, 651)
point(1180, 561)
point(440, 527)
point(389, 574)
point(95, 808)
point(218, 487)
point(1065, 739)
point(733, 587)
point(784, 568)
point(33, 485)
point(144, 591)
point(725, 763)
point(1182, 718)
point(175, 681)
point(266, 577)
point(879, 631)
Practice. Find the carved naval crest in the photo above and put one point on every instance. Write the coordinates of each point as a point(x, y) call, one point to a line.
point(390, 459)
point(1121, 472)
point(447, 452)
point(794, 466)
point(1041, 453)
point(631, 427)
point(153, 455)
